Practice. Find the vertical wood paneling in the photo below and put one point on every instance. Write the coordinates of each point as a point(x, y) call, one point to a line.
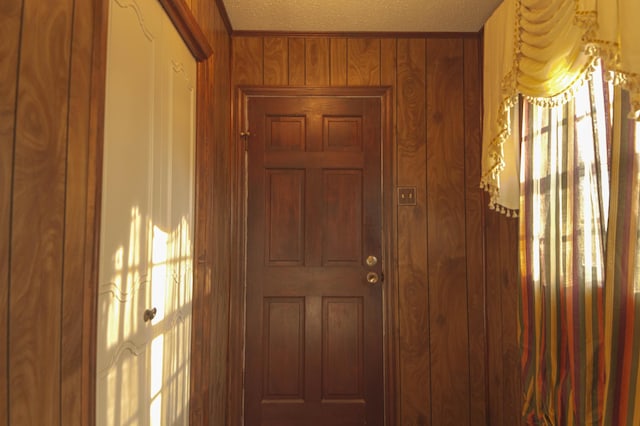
point(363, 62)
point(474, 232)
point(503, 368)
point(413, 300)
point(78, 239)
point(452, 330)
point(247, 60)
point(338, 61)
point(317, 62)
point(9, 45)
point(449, 351)
point(276, 61)
point(297, 61)
point(36, 243)
point(388, 78)
point(209, 357)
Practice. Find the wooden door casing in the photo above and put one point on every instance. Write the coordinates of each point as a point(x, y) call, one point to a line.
point(314, 342)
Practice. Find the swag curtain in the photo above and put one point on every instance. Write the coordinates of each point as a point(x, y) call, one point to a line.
point(543, 49)
point(580, 305)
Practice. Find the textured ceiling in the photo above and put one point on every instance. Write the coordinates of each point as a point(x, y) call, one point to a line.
point(359, 15)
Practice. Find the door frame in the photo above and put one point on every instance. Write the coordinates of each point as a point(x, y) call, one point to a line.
point(237, 295)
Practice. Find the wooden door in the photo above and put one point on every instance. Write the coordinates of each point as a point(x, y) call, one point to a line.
point(314, 321)
point(146, 236)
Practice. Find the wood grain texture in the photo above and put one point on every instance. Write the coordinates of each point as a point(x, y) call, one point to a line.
point(363, 62)
point(297, 61)
point(491, 390)
point(338, 61)
point(10, 21)
point(503, 367)
point(415, 397)
point(276, 61)
point(38, 214)
point(78, 238)
point(248, 61)
point(209, 356)
point(317, 62)
point(388, 78)
point(449, 351)
point(220, 247)
point(474, 232)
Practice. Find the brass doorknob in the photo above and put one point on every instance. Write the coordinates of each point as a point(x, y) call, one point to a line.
point(371, 260)
point(372, 277)
point(150, 314)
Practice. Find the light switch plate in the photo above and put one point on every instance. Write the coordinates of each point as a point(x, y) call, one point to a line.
point(407, 195)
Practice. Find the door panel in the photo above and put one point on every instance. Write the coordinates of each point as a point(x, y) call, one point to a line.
point(146, 220)
point(314, 323)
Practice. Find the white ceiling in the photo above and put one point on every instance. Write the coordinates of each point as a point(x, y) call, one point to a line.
point(359, 15)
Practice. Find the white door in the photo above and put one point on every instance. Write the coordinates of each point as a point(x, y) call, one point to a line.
point(146, 238)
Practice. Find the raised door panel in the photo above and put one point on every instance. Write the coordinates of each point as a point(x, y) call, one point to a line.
point(314, 325)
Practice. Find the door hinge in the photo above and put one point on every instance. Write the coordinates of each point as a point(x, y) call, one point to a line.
point(245, 139)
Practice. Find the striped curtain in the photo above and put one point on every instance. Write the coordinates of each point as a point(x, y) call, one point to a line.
point(622, 299)
point(563, 218)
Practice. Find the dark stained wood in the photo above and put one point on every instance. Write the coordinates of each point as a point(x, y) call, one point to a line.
point(388, 78)
point(247, 61)
point(314, 213)
point(474, 232)
point(276, 61)
point(180, 14)
point(317, 62)
point(209, 401)
point(413, 299)
point(364, 62)
point(401, 65)
point(503, 367)
point(449, 350)
point(297, 61)
point(338, 61)
point(76, 384)
point(10, 20)
point(38, 214)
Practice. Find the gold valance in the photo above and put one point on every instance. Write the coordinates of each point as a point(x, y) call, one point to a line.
point(543, 49)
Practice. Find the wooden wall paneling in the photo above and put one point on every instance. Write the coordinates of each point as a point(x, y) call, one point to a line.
point(202, 301)
point(510, 282)
point(415, 393)
point(209, 385)
point(363, 62)
point(297, 61)
point(247, 61)
point(39, 187)
point(78, 238)
point(317, 61)
point(338, 47)
point(10, 21)
point(503, 361)
point(201, 311)
point(388, 78)
point(449, 350)
point(276, 61)
point(220, 241)
point(474, 233)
